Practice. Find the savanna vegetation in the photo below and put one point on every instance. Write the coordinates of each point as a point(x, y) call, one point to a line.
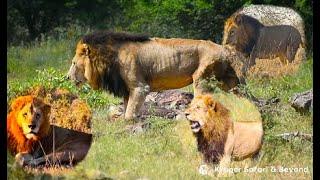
point(41, 39)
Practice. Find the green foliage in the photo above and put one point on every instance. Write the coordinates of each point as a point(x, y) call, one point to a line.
point(284, 86)
point(51, 78)
point(29, 19)
point(198, 19)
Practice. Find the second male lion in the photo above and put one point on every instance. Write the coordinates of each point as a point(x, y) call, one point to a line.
point(226, 127)
point(131, 66)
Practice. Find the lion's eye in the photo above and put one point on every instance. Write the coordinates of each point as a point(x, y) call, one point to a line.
point(37, 115)
point(25, 114)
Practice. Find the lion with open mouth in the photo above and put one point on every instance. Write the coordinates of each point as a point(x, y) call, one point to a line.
point(220, 137)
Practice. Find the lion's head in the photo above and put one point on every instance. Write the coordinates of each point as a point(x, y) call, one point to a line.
point(210, 122)
point(28, 121)
point(82, 70)
point(205, 114)
point(241, 32)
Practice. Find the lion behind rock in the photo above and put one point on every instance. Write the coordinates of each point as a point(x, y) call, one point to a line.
point(270, 15)
point(225, 131)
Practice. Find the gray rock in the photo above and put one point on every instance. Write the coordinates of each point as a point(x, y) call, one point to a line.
point(302, 102)
point(167, 104)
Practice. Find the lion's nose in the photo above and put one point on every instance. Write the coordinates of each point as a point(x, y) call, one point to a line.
point(32, 126)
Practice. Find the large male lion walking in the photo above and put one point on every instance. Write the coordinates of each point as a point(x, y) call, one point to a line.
point(131, 66)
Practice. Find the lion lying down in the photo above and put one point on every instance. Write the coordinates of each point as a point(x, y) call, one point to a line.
point(30, 136)
point(220, 136)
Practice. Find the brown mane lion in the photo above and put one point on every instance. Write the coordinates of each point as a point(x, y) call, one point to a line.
point(131, 65)
point(30, 135)
point(219, 137)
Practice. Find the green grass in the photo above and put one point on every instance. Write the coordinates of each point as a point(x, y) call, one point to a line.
point(164, 150)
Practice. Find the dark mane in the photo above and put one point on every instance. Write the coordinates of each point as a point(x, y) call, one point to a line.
point(249, 28)
point(113, 82)
point(101, 37)
point(212, 151)
point(250, 20)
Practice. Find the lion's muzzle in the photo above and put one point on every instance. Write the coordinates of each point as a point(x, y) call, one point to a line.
point(195, 125)
point(32, 135)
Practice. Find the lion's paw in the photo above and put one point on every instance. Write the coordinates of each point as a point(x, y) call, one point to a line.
point(23, 159)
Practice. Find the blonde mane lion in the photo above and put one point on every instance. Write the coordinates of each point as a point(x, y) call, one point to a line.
point(219, 137)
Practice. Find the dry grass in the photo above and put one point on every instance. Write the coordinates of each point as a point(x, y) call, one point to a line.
point(273, 68)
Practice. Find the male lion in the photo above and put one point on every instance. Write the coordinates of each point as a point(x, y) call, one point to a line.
point(30, 135)
point(249, 36)
point(131, 66)
point(219, 136)
point(268, 15)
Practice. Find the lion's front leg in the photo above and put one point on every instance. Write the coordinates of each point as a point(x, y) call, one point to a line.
point(136, 99)
point(197, 77)
point(26, 159)
point(22, 159)
point(226, 158)
point(125, 103)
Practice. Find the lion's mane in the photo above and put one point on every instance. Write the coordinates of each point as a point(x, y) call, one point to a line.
point(17, 142)
point(104, 51)
point(212, 138)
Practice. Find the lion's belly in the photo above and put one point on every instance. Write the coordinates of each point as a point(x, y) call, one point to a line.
point(170, 82)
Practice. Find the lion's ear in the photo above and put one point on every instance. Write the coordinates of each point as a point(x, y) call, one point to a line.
point(210, 102)
point(238, 19)
point(86, 49)
point(46, 108)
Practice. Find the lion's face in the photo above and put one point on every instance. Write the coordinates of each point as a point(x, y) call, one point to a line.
point(81, 70)
point(242, 32)
point(232, 36)
point(200, 111)
point(231, 33)
point(32, 117)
